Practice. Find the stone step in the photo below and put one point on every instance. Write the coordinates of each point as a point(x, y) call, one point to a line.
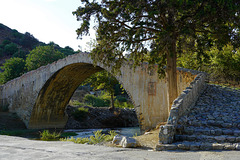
point(214, 131)
point(186, 145)
point(212, 123)
point(205, 138)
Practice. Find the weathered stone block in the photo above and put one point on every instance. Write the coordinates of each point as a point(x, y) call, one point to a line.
point(117, 139)
point(217, 146)
point(166, 134)
point(128, 142)
point(206, 146)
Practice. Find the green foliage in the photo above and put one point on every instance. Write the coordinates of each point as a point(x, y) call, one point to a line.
point(77, 103)
point(47, 136)
point(28, 41)
point(220, 64)
point(102, 80)
point(20, 54)
point(118, 104)
point(13, 68)
point(80, 113)
point(97, 138)
point(106, 81)
point(158, 28)
point(1, 52)
point(96, 101)
point(67, 51)
point(78, 140)
point(10, 49)
point(109, 137)
point(42, 55)
point(121, 98)
point(226, 63)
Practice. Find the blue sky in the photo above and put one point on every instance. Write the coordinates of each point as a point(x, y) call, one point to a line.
point(46, 20)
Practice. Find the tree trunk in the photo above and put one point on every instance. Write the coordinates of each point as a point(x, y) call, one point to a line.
point(112, 101)
point(172, 74)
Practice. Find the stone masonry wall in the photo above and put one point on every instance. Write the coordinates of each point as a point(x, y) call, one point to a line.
point(181, 106)
point(40, 97)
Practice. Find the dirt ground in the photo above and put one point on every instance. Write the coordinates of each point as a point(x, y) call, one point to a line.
point(149, 139)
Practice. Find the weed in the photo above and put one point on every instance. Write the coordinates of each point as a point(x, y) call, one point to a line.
point(47, 136)
point(97, 138)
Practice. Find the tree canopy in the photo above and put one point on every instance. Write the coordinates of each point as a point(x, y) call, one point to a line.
point(160, 28)
point(103, 80)
point(13, 68)
point(42, 55)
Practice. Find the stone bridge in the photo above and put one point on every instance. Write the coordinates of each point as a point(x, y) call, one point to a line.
point(40, 97)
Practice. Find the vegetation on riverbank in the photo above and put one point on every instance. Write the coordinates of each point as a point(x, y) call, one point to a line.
point(98, 137)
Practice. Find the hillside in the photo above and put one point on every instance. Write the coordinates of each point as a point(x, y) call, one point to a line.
point(16, 44)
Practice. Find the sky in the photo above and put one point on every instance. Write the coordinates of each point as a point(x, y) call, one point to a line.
point(46, 20)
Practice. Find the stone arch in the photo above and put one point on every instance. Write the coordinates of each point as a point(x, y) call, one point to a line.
point(24, 95)
point(51, 102)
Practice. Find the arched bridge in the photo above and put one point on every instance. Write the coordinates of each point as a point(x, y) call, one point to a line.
point(40, 97)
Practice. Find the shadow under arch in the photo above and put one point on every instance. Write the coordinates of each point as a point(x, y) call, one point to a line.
point(52, 100)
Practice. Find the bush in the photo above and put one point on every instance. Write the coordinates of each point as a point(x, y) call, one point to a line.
point(80, 113)
point(10, 49)
point(13, 68)
point(96, 101)
point(221, 64)
point(77, 103)
point(121, 99)
point(226, 63)
point(41, 56)
point(118, 104)
point(97, 138)
point(47, 136)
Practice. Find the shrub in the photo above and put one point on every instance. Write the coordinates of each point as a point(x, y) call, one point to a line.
point(97, 138)
point(13, 68)
point(121, 98)
point(47, 136)
point(118, 104)
point(42, 55)
point(226, 63)
point(10, 49)
point(96, 101)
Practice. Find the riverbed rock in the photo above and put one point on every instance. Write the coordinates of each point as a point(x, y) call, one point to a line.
point(117, 139)
point(128, 142)
point(102, 117)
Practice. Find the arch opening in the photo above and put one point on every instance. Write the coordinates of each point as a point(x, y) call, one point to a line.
point(52, 100)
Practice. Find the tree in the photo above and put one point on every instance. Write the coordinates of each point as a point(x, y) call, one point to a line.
point(13, 68)
point(42, 55)
point(162, 28)
point(10, 49)
point(103, 80)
